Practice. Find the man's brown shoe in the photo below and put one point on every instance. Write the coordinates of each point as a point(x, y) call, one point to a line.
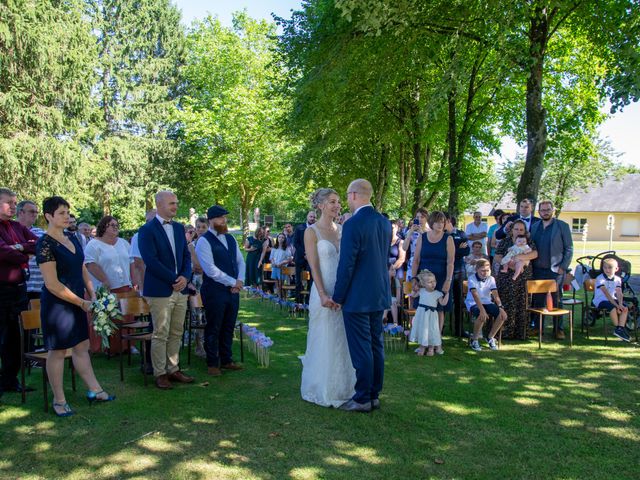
point(214, 371)
point(560, 335)
point(231, 366)
point(180, 377)
point(163, 383)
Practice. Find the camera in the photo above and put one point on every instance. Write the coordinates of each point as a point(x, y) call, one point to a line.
point(416, 221)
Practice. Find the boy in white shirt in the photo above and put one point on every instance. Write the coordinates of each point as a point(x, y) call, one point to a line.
point(483, 302)
point(608, 295)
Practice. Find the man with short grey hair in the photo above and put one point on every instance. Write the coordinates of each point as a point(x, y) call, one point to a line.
point(27, 213)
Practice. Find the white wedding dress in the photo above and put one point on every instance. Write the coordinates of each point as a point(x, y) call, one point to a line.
point(328, 377)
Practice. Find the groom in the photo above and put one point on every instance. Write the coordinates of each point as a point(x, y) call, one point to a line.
point(363, 292)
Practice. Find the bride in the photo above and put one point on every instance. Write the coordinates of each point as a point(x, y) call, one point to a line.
point(328, 377)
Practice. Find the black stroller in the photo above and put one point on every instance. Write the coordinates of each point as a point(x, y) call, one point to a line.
point(591, 266)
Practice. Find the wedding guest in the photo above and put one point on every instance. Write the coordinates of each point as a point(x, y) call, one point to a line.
point(223, 278)
point(27, 214)
point(396, 269)
point(85, 230)
point(64, 323)
point(525, 209)
point(267, 246)
point(514, 292)
point(497, 213)
point(253, 247)
point(202, 225)
point(137, 265)
point(168, 267)
point(300, 258)
point(417, 228)
point(16, 244)
point(436, 251)
point(477, 230)
point(462, 248)
point(109, 265)
point(553, 239)
point(425, 328)
point(472, 259)
point(483, 301)
point(608, 296)
point(281, 256)
point(288, 232)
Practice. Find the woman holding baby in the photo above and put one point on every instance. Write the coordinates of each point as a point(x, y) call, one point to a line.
point(514, 292)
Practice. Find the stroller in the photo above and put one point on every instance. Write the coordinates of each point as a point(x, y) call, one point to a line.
point(590, 266)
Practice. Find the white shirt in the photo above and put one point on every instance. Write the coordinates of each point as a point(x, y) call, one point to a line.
point(472, 228)
point(205, 257)
point(610, 285)
point(134, 252)
point(112, 259)
point(483, 289)
point(168, 229)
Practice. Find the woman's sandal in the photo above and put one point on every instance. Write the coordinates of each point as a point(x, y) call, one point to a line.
point(420, 352)
point(430, 352)
point(67, 412)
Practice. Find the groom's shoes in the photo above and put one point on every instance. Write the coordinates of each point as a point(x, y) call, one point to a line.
point(375, 404)
point(353, 406)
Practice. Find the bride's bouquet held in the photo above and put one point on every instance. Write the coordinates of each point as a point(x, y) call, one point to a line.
point(105, 309)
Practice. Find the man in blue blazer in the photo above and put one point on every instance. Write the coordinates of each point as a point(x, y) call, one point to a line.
point(363, 291)
point(164, 250)
point(525, 213)
point(555, 250)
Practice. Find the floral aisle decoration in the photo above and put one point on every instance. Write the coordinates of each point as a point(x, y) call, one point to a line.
point(259, 344)
point(395, 338)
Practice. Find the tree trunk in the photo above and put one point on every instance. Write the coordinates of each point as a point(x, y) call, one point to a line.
point(529, 185)
point(382, 175)
point(454, 167)
point(404, 176)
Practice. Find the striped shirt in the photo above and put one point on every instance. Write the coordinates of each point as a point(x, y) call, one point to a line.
point(35, 282)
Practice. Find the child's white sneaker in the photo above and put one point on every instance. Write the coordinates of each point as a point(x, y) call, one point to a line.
point(475, 345)
point(493, 345)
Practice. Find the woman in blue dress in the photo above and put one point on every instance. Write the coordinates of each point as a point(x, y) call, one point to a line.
point(63, 307)
point(435, 251)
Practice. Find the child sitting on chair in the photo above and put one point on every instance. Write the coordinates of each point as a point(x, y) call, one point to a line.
point(608, 295)
point(483, 302)
point(520, 247)
point(425, 329)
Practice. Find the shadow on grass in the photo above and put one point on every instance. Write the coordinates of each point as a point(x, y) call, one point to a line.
point(517, 413)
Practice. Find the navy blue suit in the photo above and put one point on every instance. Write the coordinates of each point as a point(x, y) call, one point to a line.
point(364, 291)
point(160, 273)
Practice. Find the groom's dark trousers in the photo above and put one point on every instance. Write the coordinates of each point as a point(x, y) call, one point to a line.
point(364, 336)
point(363, 289)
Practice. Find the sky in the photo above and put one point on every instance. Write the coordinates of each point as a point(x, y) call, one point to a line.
point(621, 129)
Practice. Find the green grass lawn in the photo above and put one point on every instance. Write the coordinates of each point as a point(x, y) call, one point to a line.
point(555, 413)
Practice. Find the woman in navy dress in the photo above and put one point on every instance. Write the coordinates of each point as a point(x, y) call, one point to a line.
point(63, 307)
point(436, 251)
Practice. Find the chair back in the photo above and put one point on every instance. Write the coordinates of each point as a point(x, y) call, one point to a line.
point(134, 306)
point(306, 275)
point(266, 267)
point(195, 301)
point(290, 271)
point(34, 304)
point(541, 286)
point(590, 285)
point(130, 294)
point(30, 320)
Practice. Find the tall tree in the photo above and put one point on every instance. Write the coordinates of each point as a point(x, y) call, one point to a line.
point(229, 115)
point(45, 81)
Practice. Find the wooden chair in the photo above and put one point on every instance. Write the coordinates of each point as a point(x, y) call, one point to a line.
point(34, 304)
point(406, 312)
point(137, 330)
point(288, 284)
point(466, 314)
point(29, 322)
point(195, 302)
point(544, 287)
point(267, 281)
point(305, 292)
point(594, 312)
point(129, 294)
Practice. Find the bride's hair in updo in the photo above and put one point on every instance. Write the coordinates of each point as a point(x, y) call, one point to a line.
point(320, 196)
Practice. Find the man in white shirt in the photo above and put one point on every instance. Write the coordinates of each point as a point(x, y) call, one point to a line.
point(222, 279)
point(477, 230)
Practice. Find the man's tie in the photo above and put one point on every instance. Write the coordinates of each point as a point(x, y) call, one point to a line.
point(165, 222)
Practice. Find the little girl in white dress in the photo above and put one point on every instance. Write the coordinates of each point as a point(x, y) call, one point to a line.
point(425, 329)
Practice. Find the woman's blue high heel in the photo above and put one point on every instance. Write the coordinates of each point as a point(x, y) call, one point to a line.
point(93, 397)
point(67, 409)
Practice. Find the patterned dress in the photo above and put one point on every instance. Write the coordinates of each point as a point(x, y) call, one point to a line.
point(513, 294)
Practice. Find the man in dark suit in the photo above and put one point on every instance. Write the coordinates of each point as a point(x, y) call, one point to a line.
point(223, 277)
point(555, 250)
point(525, 214)
point(167, 260)
point(363, 292)
point(299, 256)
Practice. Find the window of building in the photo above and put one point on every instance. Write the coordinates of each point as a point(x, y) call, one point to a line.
point(577, 224)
